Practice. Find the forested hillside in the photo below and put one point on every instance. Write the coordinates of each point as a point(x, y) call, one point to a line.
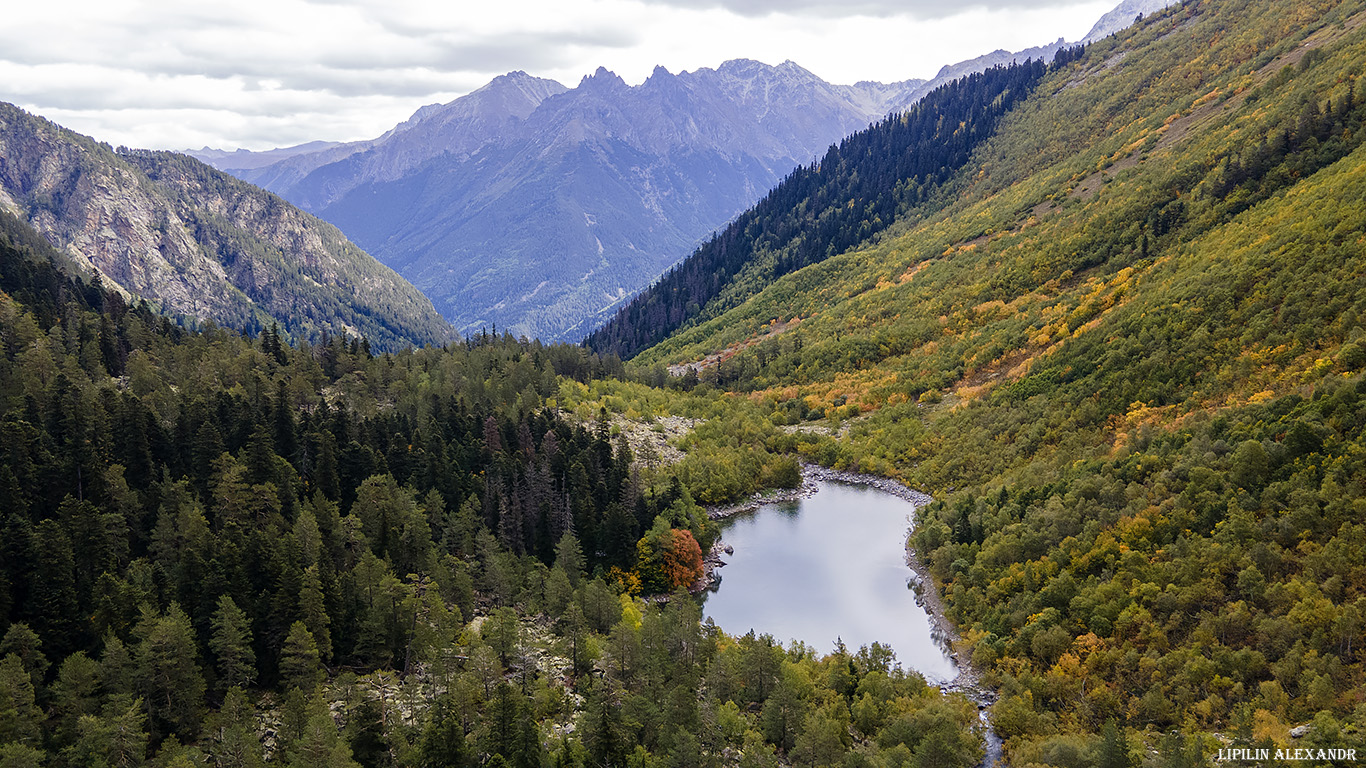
point(223, 551)
point(1123, 347)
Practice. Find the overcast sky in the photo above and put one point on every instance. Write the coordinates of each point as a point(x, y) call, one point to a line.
point(267, 73)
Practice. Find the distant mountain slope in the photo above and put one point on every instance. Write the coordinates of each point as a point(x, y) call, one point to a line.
point(460, 128)
point(854, 192)
point(538, 208)
point(200, 243)
point(242, 160)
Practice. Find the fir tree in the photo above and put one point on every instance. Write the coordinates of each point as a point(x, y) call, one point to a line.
point(299, 659)
point(20, 719)
point(231, 643)
point(167, 672)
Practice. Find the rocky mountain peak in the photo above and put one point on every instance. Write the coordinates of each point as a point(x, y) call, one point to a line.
point(603, 80)
point(199, 243)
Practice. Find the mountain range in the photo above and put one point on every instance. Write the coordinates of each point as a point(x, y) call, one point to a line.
point(524, 204)
point(538, 208)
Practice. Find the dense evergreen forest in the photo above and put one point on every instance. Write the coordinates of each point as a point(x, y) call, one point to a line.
point(233, 552)
point(857, 190)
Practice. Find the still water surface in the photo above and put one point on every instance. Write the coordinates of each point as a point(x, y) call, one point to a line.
point(829, 566)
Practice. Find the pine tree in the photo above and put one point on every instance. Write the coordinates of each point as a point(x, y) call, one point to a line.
point(299, 666)
point(320, 745)
point(286, 440)
point(365, 732)
point(75, 693)
point(167, 672)
point(233, 742)
point(261, 459)
point(325, 476)
point(502, 633)
point(20, 719)
point(24, 643)
point(16, 559)
point(118, 737)
point(605, 733)
point(1113, 750)
point(576, 634)
point(16, 755)
point(116, 669)
point(231, 643)
point(510, 729)
point(569, 556)
point(313, 611)
point(52, 602)
point(619, 527)
point(443, 739)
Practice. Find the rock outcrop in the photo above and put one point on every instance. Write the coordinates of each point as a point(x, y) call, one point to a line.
point(199, 243)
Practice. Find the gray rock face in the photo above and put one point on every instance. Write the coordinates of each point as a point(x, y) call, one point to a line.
point(200, 243)
point(1123, 16)
point(537, 208)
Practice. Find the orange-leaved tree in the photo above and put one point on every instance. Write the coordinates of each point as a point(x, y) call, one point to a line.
point(668, 558)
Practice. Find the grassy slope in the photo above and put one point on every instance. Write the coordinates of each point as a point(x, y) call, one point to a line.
point(1070, 347)
point(1025, 262)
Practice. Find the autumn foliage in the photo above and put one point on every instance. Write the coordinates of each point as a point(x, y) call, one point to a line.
point(682, 559)
point(668, 558)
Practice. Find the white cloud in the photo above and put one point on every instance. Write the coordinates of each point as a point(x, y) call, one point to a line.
point(264, 73)
point(917, 9)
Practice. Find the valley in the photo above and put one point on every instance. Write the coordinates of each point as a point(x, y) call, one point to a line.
point(1102, 312)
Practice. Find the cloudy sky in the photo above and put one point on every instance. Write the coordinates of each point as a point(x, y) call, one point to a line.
point(267, 73)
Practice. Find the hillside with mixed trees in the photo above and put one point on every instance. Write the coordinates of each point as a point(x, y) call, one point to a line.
point(217, 550)
point(1123, 347)
point(1117, 334)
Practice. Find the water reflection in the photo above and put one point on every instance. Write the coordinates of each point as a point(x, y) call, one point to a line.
point(826, 567)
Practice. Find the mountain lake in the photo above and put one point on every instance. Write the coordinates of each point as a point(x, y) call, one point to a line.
point(828, 567)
